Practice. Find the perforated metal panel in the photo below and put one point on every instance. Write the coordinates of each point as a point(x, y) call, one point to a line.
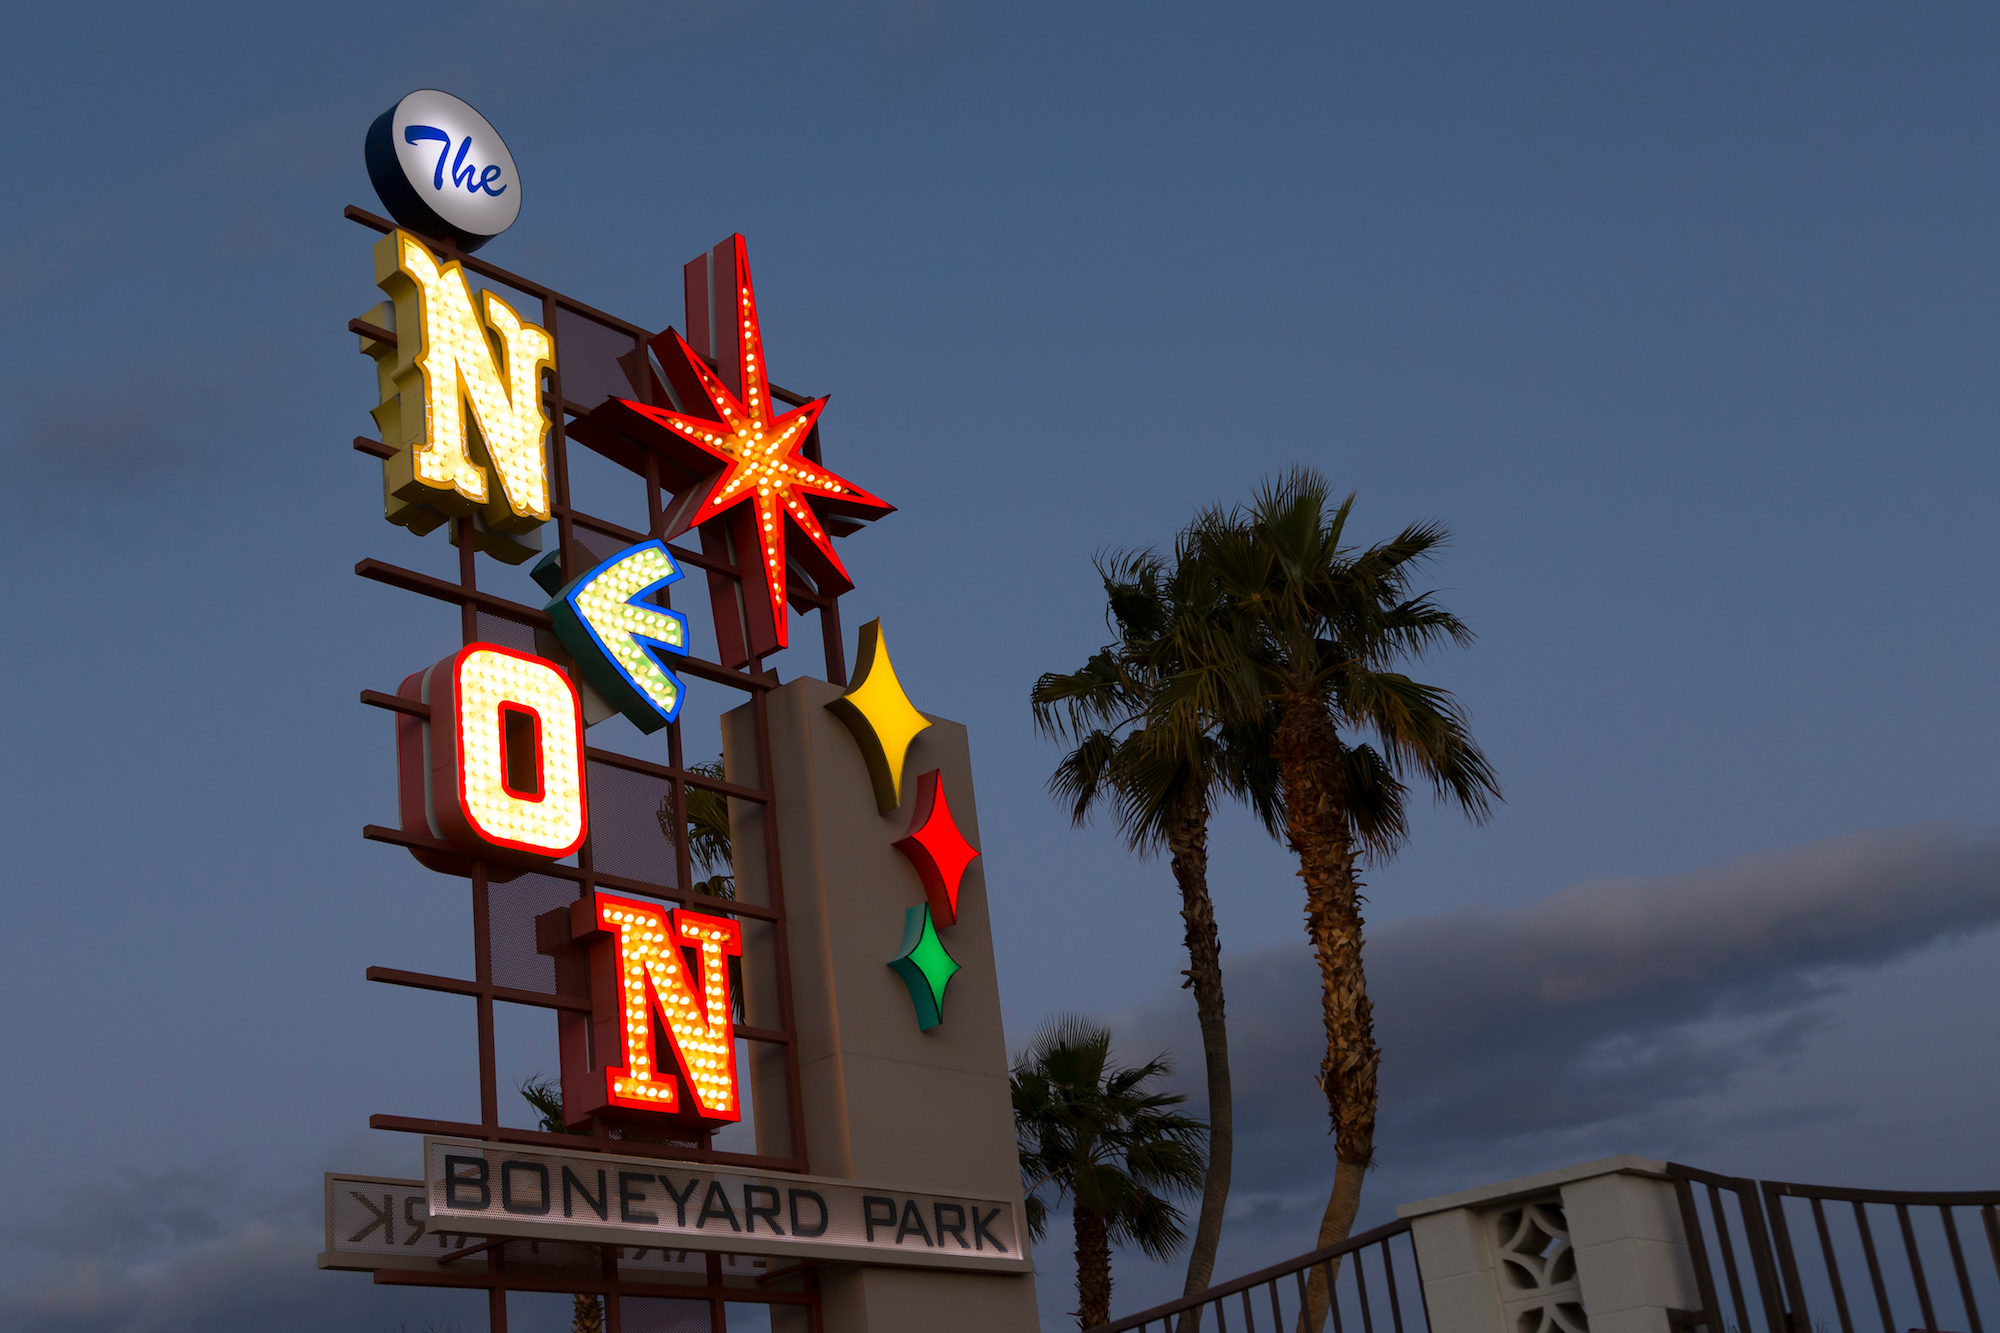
point(631, 825)
point(513, 907)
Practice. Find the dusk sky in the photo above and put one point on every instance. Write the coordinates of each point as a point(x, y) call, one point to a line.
point(1684, 319)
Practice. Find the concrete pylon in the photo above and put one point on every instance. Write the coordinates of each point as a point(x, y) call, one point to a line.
point(884, 1100)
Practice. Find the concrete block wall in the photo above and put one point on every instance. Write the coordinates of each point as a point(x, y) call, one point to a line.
point(1596, 1248)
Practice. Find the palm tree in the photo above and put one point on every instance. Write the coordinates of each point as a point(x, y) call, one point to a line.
point(545, 1095)
point(708, 831)
point(711, 850)
point(1309, 630)
point(1158, 772)
point(1092, 1133)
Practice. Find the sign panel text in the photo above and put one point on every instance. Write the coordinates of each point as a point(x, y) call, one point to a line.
point(504, 1190)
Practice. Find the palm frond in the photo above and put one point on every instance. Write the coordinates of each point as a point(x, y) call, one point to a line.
point(707, 829)
point(1302, 617)
point(1423, 730)
point(1142, 746)
point(1097, 694)
point(545, 1096)
point(1082, 775)
point(1153, 1224)
point(1098, 1134)
point(1377, 816)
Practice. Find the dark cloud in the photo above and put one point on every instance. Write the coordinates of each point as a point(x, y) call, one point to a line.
point(133, 1212)
point(1587, 1015)
point(72, 443)
point(181, 1250)
point(55, 253)
point(68, 447)
point(1586, 1022)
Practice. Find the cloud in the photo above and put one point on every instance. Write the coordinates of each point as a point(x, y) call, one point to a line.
point(1585, 1015)
point(71, 443)
point(53, 254)
point(134, 1211)
point(1583, 1022)
point(182, 1250)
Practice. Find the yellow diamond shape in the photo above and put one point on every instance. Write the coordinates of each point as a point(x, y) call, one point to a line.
point(880, 715)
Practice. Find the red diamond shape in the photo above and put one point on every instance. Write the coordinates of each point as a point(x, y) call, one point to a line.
point(937, 849)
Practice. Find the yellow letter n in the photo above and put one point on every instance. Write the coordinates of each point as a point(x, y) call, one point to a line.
point(445, 356)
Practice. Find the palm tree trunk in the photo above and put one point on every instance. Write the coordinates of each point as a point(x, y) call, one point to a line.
point(1187, 837)
point(1334, 1225)
point(588, 1316)
point(1093, 1268)
point(1309, 759)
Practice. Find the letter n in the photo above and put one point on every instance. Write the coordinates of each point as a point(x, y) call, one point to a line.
point(443, 358)
point(645, 964)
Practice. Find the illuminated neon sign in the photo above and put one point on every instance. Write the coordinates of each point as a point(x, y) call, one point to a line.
point(491, 466)
point(617, 638)
point(768, 487)
point(484, 195)
point(647, 962)
point(500, 762)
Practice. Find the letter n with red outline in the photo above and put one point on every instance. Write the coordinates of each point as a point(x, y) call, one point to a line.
point(651, 972)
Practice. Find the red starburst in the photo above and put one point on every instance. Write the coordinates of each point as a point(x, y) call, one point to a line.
point(762, 463)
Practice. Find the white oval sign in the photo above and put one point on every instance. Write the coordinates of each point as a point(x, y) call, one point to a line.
point(440, 168)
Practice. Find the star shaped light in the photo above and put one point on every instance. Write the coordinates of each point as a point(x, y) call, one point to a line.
point(925, 967)
point(760, 457)
point(936, 848)
point(881, 716)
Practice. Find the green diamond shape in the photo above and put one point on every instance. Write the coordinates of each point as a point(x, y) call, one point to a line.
point(924, 966)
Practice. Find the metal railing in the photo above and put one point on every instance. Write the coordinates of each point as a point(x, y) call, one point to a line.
point(1921, 1219)
point(1754, 1278)
point(1926, 1269)
point(1296, 1287)
point(1729, 1245)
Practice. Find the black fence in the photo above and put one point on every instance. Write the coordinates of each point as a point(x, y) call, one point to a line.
point(1372, 1291)
point(1768, 1257)
point(1775, 1257)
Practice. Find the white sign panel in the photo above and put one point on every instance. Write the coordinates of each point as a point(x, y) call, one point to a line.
point(442, 170)
point(503, 1190)
point(373, 1222)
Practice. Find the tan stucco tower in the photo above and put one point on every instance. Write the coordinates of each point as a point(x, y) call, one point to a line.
point(884, 1100)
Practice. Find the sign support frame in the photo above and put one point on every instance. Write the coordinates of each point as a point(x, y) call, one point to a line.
point(484, 616)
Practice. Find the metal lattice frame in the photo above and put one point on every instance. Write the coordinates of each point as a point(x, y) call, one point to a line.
point(483, 615)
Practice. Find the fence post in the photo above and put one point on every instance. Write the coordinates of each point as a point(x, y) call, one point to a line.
point(1595, 1248)
point(1461, 1294)
point(1631, 1251)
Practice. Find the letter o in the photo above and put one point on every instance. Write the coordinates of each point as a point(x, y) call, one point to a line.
point(506, 752)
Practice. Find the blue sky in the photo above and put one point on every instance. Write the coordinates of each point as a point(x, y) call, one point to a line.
point(1682, 319)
